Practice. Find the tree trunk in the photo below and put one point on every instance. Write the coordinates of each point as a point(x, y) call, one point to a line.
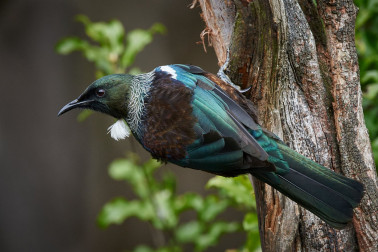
point(300, 59)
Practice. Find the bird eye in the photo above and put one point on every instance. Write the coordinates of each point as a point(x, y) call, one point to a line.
point(100, 92)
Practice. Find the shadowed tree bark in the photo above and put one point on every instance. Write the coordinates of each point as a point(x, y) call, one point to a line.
point(300, 59)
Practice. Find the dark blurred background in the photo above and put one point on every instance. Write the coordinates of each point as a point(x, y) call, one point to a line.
point(53, 175)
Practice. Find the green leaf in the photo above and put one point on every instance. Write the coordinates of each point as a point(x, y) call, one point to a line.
point(372, 91)
point(253, 242)
point(369, 76)
point(212, 236)
point(136, 40)
point(250, 225)
point(115, 34)
point(70, 44)
point(250, 222)
point(95, 31)
point(110, 37)
point(238, 189)
point(212, 208)
point(374, 146)
point(108, 34)
point(188, 201)
point(110, 55)
point(119, 209)
point(151, 165)
point(124, 169)
point(143, 248)
point(100, 56)
point(166, 217)
point(363, 17)
point(189, 232)
point(83, 19)
point(158, 28)
point(169, 182)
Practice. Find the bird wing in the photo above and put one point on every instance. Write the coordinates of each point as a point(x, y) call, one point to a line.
point(193, 122)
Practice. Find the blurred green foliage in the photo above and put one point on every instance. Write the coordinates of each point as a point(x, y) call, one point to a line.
point(114, 51)
point(239, 191)
point(367, 48)
point(157, 202)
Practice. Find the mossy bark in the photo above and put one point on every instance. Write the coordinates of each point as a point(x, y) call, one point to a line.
point(299, 57)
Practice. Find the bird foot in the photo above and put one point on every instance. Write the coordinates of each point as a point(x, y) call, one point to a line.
point(223, 76)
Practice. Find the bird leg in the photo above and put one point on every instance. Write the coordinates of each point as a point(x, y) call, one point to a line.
point(223, 76)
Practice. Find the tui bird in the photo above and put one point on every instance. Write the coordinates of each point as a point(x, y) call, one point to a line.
point(187, 116)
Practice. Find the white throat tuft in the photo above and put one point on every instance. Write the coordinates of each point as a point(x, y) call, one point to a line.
point(119, 130)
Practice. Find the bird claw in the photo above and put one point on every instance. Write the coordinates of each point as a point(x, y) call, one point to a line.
point(245, 90)
point(223, 76)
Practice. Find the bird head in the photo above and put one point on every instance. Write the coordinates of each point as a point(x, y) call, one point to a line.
point(107, 95)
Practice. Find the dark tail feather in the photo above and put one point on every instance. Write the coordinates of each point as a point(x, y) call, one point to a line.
point(325, 193)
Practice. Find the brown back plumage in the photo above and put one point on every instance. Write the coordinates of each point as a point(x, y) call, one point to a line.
point(169, 123)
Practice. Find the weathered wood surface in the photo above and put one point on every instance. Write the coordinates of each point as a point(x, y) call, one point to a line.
point(301, 62)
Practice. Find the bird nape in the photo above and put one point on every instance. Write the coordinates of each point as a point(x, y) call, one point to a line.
point(189, 117)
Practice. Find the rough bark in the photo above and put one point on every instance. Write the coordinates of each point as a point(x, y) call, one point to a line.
point(300, 60)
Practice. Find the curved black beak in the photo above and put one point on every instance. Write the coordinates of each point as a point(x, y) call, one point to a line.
point(74, 104)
